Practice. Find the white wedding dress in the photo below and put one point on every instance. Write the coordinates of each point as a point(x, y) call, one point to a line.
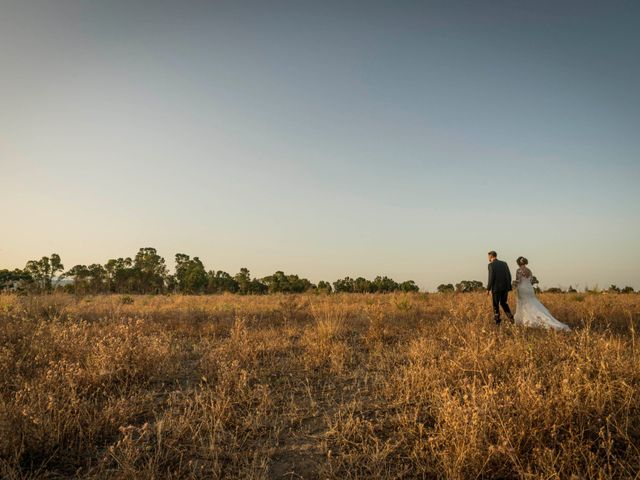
point(530, 312)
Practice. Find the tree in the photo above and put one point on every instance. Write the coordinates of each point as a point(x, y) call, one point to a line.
point(346, 285)
point(467, 286)
point(220, 282)
point(150, 271)
point(409, 286)
point(384, 285)
point(13, 279)
point(243, 279)
point(613, 289)
point(43, 271)
point(191, 277)
point(78, 273)
point(171, 283)
point(119, 275)
point(553, 290)
point(324, 286)
point(299, 285)
point(97, 278)
point(277, 283)
point(362, 285)
point(256, 287)
point(446, 288)
point(627, 289)
point(196, 279)
point(247, 285)
point(91, 279)
point(182, 262)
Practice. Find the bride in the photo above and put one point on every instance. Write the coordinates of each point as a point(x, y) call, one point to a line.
point(530, 312)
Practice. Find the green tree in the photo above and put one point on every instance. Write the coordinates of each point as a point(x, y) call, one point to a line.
point(196, 279)
point(171, 283)
point(298, 284)
point(150, 271)
point(345, 285)
point(247, 285)
point(43, 271)
point(97, 278)
point(91, 279)
point(191, 277)
point(409, 286)
point(182, 262)
point(13, 279)
point(324, 286)
point(220, 282)
point(467, 286)
point(384, 285)
point(256, 287)
point(362, 285)
point(446, 288)
point(277, 283)
point(243, 279)
point(79, 275)
point(120, 276)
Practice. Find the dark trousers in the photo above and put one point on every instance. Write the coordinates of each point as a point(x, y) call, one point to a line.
point(500, 300)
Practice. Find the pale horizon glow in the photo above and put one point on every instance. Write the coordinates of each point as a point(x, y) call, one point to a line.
point(404, 139)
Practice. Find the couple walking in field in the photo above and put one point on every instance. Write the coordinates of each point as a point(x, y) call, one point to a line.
point(530, 312)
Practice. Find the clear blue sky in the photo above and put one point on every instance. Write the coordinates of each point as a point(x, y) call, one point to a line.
point(325, 138)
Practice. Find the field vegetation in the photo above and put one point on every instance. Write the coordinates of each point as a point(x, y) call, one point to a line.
point(402, 385)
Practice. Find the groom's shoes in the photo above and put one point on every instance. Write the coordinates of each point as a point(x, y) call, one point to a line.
point(511, 319)
point(497, 320)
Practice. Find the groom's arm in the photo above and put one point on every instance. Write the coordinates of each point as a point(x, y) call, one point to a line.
point(491, 278)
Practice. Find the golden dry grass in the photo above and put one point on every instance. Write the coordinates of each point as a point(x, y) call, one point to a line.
point(313, 386)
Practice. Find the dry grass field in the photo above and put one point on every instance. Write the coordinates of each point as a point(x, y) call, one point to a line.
point(316, 386)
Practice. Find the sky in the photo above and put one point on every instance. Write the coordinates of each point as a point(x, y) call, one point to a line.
point(325, 139)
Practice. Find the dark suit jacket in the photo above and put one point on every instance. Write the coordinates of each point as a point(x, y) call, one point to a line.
point(499, 277)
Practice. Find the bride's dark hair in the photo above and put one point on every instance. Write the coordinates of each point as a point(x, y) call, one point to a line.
point(521, 261)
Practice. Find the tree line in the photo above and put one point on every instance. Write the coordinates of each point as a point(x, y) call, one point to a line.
point(147, 273)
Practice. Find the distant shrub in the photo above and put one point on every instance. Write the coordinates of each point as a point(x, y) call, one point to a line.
point(409, 286)
point(468, 286)
point(446, 288)
point(553, 290)
point(324, 287)
point(126, 300)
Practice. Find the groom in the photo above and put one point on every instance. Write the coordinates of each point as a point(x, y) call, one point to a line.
point(498, 286)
